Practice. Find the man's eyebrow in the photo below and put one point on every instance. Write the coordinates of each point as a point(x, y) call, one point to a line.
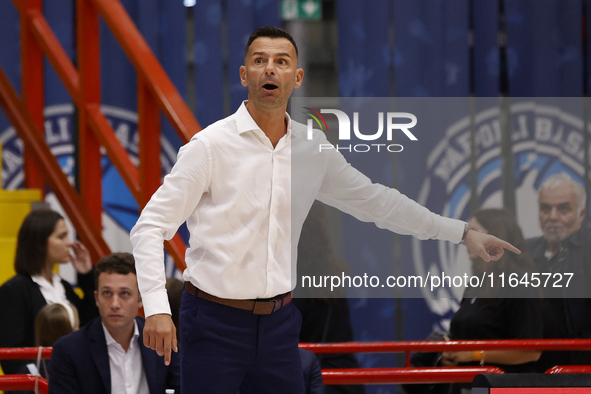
point(277, 54)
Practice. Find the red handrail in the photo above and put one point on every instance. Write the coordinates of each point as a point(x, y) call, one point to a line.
point(155, 93)
point(569, 369)
point(387, 347)
point(407, 375)
point(24, 353)
point(50, 169)
point(404, 375)
point(148, 67)
point(440, 346)
point(23, 382)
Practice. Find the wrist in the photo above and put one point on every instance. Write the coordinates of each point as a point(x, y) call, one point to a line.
point(478, 355)
point(467, 228)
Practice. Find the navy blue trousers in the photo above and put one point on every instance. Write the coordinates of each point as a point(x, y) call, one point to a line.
point(225, 350)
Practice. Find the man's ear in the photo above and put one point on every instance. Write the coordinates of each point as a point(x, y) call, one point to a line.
point(243, 76)
point(299, 78)
point(96, 297)
point(583, 213)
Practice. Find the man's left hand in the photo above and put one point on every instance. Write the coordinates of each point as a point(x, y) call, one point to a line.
point(487, 246)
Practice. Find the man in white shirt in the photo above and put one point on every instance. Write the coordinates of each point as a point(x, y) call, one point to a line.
point(232, 184)
point(108, 355)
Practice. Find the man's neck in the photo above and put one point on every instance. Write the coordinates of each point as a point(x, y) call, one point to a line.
point(123, 336)
point(272, 122)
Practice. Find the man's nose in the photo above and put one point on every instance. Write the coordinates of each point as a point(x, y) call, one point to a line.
point(270, 68)
point(553, 213)
point(116, 304)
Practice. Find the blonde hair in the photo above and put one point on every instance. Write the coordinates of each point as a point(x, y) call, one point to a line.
point(54, 321)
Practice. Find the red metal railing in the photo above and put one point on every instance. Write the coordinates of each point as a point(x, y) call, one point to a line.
point(430, 375)
point(155, 93)
point(24, 353)
point(404, 375)
point(24, 382)
point(442, 346)
point(407, 375)
point(569, 369)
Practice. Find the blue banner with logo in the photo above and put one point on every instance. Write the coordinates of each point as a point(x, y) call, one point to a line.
point(427, 55)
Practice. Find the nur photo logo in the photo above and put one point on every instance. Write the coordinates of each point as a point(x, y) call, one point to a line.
point(390, 119)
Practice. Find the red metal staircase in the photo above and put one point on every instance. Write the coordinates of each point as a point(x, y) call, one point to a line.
point(155, 93)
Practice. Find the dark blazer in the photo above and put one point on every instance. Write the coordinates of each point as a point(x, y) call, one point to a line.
point(565, 309)
point(21, 300)
point(80, 364)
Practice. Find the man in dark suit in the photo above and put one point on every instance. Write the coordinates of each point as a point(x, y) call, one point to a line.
point(108, 355)
point(564, 252)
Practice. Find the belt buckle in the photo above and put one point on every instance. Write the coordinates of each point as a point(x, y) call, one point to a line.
point(267, 307)
point(275, 302)
point(263, 308)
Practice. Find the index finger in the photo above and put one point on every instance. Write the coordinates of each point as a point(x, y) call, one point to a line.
point(509, 247)
point(167, 351)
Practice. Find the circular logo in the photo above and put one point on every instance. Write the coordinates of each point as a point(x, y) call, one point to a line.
point(547, 139)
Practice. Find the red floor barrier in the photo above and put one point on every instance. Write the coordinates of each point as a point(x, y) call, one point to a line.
point(23, 382)
point(570, 369)
point(404, 375)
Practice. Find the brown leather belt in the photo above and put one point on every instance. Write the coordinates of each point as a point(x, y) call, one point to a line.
point(265, 307)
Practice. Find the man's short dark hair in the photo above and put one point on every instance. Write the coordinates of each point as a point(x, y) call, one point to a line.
point(271, 32)
point(119, 263)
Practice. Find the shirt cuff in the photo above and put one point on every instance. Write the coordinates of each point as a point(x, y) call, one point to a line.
point(451, 230)
point(156, 303)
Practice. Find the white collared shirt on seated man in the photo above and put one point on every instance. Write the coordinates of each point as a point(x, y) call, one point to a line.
point(126, 367)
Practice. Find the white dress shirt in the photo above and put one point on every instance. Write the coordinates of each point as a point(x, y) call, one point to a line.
point(234, 190)
point(127, 368)
point(52, 292)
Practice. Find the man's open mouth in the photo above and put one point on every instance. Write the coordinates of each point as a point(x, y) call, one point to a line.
point(270, 86)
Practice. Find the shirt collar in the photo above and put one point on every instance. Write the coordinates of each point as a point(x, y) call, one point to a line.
point(245, 122)
point(112, 341)
point(576, 239)
point(43, 282)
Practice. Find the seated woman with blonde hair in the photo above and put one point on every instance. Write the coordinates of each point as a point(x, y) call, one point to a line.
point(52, 322)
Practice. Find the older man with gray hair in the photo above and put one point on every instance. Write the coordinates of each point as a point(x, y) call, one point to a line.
point(563, 256)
